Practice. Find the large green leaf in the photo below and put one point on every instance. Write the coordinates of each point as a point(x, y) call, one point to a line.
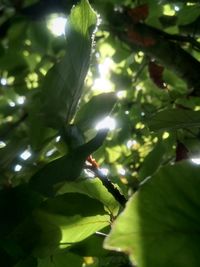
point(188, 14)
point(39, 36)
point(160, 225)
point(68, 219)
point(66, 168)
point(96, 109)
point(94, 189)
point(62, 86)
point(174, 119)
point(58, 223)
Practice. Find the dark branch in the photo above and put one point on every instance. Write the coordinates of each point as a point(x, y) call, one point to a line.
point(157, 44)
point(119, 197)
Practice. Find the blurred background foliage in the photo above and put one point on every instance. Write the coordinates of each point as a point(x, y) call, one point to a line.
point(142, 84)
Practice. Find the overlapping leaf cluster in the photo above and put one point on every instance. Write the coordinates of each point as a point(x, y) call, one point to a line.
point(52, 212)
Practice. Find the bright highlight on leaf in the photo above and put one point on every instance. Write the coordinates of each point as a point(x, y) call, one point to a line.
point(17, 168)
point(21, 100)
point(2, 144)
point(11, 104)
point(50, 152)
point(3, 81)
point(196, 161)
point(57, 25)
point(58, 138)
point(106, 123)
point(25, 155)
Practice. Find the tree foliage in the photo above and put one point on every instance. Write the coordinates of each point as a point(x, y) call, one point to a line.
point(117, 92)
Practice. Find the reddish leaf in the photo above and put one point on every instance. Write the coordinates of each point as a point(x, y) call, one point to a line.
point(181, 152)
point(156, 74)
point(139, 39)
point(139, 13)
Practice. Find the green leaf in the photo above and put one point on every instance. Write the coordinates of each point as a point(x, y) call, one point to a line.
point(39, 36)
point(174, 119)
point(91, 246)
point(13, 61)
point(94, 189)
point(30, 262)
point(66, 168)
point(61, 259)
point(16, 203)
point(62, 86)
point(152, 161)
point(96, 109)
point(37, 131)
point(66, 220)
point(188, 14)
point(160, 225)
point(8, 153)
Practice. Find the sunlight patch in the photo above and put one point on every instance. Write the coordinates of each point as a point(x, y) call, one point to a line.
point(106, 123)
point(3, 81)
point(121, 94)
point(130, 143)
point(122, 171)
point(57, 25)
point(102, 83)
point(104, 171)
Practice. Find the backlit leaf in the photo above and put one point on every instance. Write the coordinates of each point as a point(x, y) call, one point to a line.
point(174, 119)
point(62, 86)
point(160, 225)
point(63, 221)
point(95, 110)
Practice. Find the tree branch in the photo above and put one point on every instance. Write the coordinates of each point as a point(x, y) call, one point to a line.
point(119, 197)
point(158, 45)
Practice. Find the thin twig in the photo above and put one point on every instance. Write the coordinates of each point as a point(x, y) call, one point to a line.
point(119, 197)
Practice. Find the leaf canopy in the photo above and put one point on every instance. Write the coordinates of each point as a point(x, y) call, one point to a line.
point(130, 68)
